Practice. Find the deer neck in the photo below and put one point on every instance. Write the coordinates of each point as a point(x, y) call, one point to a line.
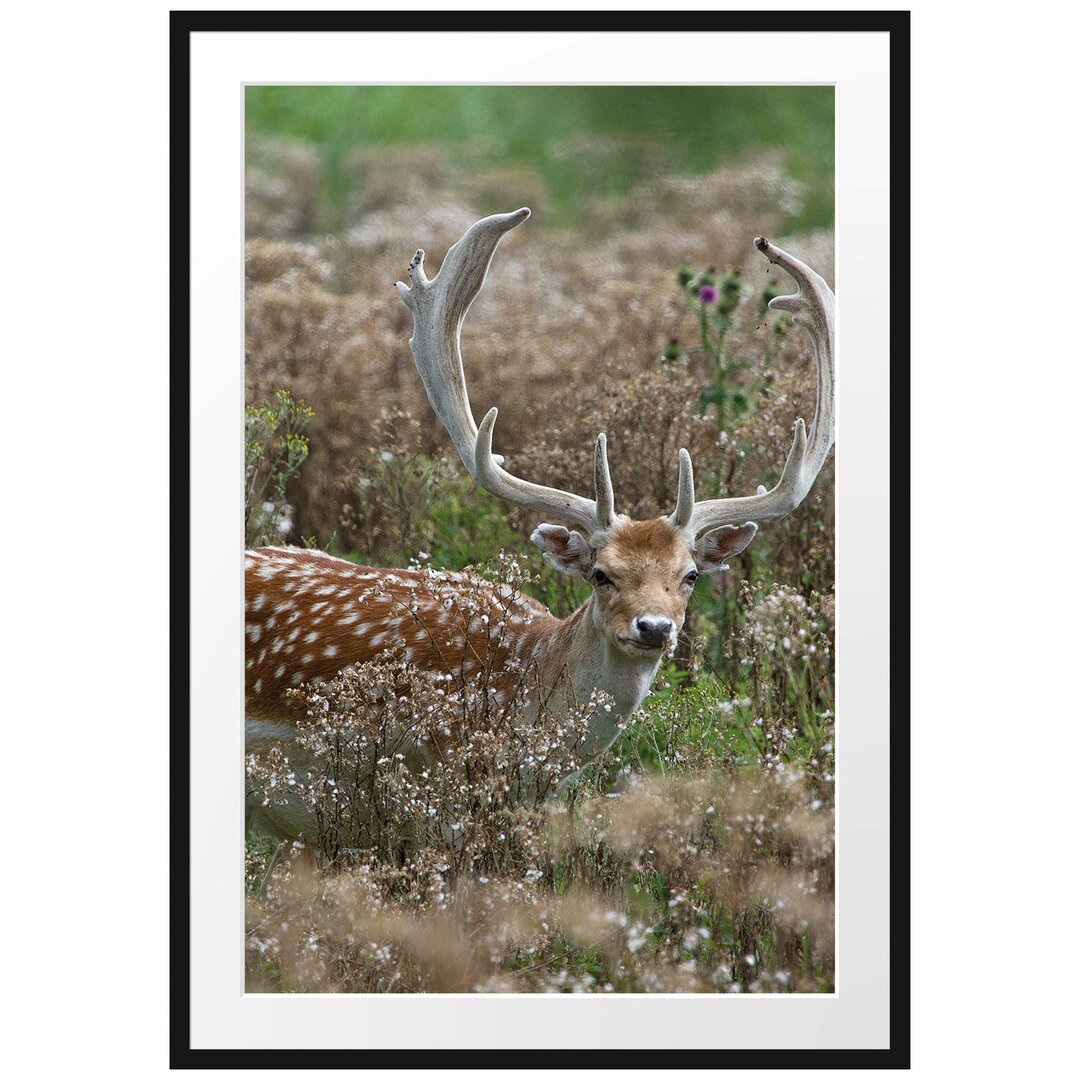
point(580, 658)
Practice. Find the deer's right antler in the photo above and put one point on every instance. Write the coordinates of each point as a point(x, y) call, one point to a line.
point(439, 306)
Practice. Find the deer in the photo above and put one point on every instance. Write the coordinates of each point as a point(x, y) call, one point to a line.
point(310, 615)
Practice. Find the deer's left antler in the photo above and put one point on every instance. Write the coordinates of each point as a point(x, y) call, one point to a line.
point(813, 307)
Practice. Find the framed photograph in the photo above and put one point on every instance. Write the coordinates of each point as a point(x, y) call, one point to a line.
point(538, 681)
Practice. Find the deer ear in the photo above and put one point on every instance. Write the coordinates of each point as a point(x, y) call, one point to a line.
point(565, 550)
point(720, 544)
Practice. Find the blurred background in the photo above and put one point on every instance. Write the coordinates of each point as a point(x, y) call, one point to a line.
point(581, 146)
point(633, 302)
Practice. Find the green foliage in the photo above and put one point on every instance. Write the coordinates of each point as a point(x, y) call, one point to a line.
point(412, 507)
point(585, 142)
point(769, 704)
point(274, 450)
point(715, 300)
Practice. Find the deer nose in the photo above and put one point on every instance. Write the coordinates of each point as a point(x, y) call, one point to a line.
point(652, 630)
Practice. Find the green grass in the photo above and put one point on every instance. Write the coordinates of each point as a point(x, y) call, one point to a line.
point(697, 127)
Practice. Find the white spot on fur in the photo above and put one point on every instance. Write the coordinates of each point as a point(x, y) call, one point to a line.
point(330, 650)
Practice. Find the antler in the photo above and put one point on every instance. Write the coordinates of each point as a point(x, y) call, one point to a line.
point(439, 305)
point(813, 308)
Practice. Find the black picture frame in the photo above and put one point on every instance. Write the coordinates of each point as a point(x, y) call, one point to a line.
point(896, 24)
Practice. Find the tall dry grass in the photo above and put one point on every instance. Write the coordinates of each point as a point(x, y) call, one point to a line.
point(698, 857)
point(566, 334)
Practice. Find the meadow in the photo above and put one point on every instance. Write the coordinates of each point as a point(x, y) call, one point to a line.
point(698, 854)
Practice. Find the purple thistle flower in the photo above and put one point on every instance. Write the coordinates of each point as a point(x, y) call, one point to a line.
point(707, 294)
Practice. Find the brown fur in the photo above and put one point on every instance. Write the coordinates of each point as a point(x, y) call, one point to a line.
point(308, 615)
point(654, 542)
point(648, 562)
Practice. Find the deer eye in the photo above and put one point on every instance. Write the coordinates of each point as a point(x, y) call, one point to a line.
point(691, 578)
point(600, 579)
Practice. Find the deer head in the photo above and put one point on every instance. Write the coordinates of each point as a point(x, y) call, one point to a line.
point(642, 573)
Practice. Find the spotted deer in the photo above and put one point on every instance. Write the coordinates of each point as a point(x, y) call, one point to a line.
point(309, 615)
